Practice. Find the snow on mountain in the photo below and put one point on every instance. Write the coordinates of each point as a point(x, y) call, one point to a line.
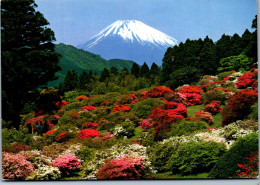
point(131, 40)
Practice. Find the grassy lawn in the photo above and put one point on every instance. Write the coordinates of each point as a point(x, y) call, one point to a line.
point(217, 118)
point(138, 131)
point(169, 175)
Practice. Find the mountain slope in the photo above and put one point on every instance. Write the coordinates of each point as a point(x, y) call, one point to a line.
point(132, 40)
point(79, 60)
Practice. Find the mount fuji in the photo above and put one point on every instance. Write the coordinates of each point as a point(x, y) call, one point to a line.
point(130, 40)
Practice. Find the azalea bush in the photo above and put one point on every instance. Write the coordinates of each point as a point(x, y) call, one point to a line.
point(146, 123)
point(67, 164)
point(15, 166)
point(158, 91)
point(45, 173)
point(90, 125)
point(127, 99)
point(125, 129)
point(186, 127)
point(166, 115)
point(143, 109)
point(213, 107)
point(123, 168)
point(245, 81)
point(250, 169)
point(239, 106)
point(190, 89)
point(204, 157)
point(82, 97)
point(204, 116)
point(192, 98)
point(219, 95)
point(226, 166)
point(88, 133)
point(16, 147)
point(61, 104)
point(88, 108)
point(121, 108)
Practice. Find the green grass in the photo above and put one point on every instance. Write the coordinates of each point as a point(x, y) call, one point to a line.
point(138, 131)
point(169, 175)
point(217, 118)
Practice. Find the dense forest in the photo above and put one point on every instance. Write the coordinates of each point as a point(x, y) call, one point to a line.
point(193, 117)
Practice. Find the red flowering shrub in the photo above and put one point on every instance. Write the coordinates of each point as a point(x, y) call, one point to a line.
point(51, 126)
point(67, 164)
point(34, 121)
point(127, 99)
point(250, 170)
point(238, 106)
point(255, 85)
point(146, 123)
point(88, 108)
point(61, 104)
point(89, 125)
point(62, 136)
point(158, 91)
point(245, 81)
point(190, 89)
point(122, 108)
point(80, 98)
point(122, 168)
point(204, 116)
point(177, 97)
point(53, 119)
point(15, 166)
point(49, 133)
point(192, 98)
point(88, 133)
point(213, 107)
point(165, 115)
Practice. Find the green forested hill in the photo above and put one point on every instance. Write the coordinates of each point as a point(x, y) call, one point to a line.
point(79, 60)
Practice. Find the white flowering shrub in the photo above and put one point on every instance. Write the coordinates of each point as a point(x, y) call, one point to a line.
point(90, 168)
point(45, 173)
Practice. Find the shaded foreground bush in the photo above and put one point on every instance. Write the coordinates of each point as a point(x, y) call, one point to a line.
point(226, 166)
point(196, 157)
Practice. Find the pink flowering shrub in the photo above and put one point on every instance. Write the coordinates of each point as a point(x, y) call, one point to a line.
point(245, 81)
point(122, 168)
point(89, 125)
point(88, 108)
point(213, 107)
point(88, 133)
point(146, 123)
point(15, 166)
point(67, 164)
point(204, 116)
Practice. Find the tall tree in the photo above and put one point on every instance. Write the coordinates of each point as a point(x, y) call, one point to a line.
point(155, 70)
point(114, 71)
point(70, 81)
point(83, 80)
point(104, 75)
point(28, 56)
point(144, 71)
point(135, 70)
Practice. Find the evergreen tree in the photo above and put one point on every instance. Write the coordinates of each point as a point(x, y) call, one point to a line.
point(29, 60)
point(104, 75)
point(223, 47)
point(251, 50)
point(155, 70)
point(144, 71)
point(114, 71)
point(70, 81)
point(83, 80)
point(135, 70)
point(237, 45)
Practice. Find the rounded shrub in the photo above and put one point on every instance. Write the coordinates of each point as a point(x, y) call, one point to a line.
point(226, 166)
point(67, 164)
point(45, 173)
point(123, 168)
point(196, 157)
point(124, 129)
point(143, 109)
point(15, 166)
point(212, 95)
point(239, 106)
point(186, 127)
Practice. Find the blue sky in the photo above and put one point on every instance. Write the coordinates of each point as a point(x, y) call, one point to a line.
point(75, 21)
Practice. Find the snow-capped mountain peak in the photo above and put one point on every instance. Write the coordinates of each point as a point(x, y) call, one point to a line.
point(130, 40)
point(130, 30)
